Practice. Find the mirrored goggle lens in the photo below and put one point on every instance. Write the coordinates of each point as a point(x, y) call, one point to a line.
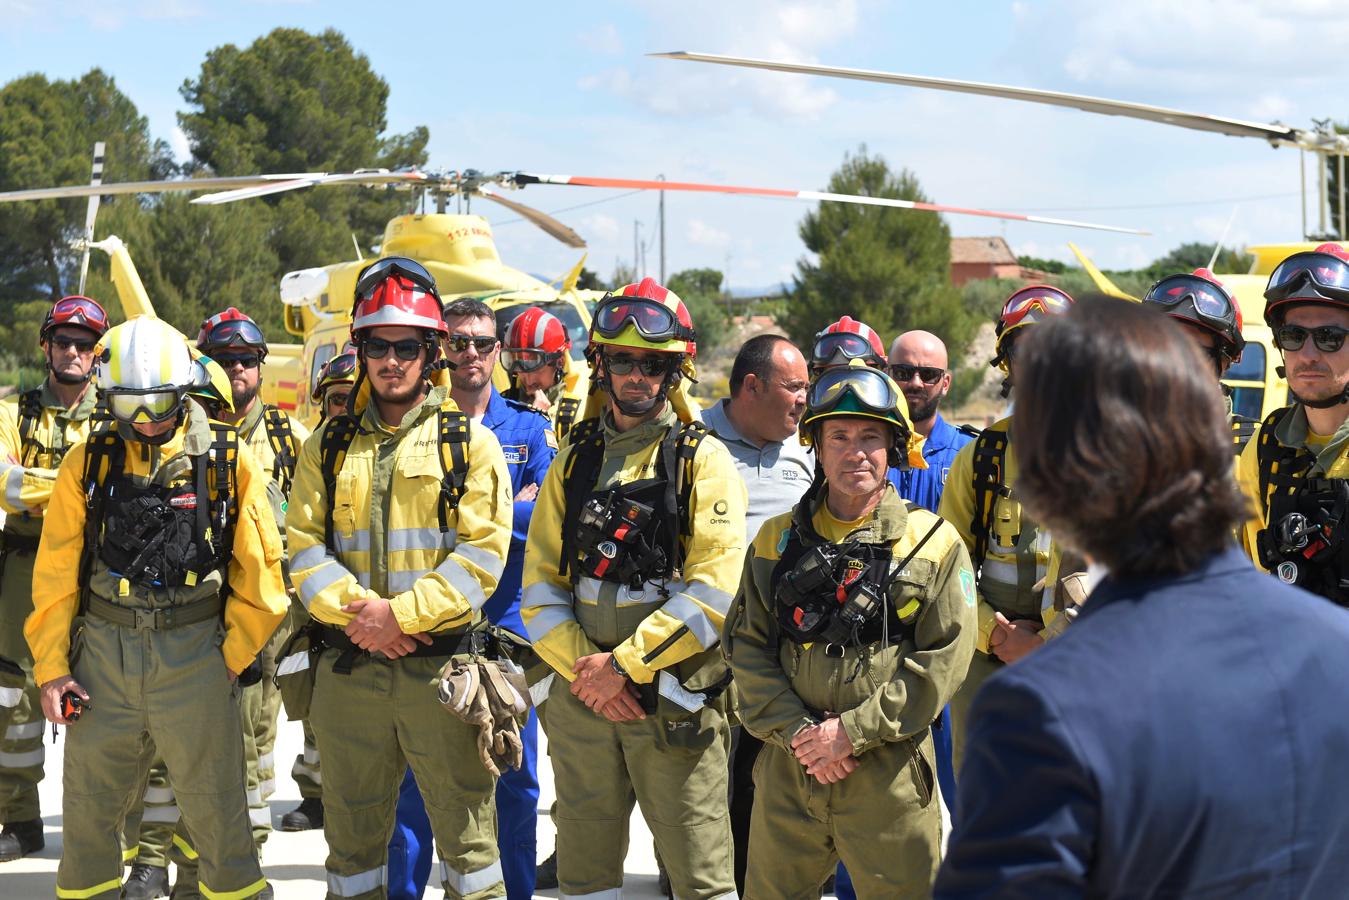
point(155, 406)
point(340, 366)
point(841, 344)
point(235, 331)
point(1207, 300)
point(1049, 301)
point(1322, 269)
point(652, 320)
point(387, 268)
point(523, 360)
point(79, 308)
point(868, 386)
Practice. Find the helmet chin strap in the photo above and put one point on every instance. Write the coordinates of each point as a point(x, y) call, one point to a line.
point(1341, 397)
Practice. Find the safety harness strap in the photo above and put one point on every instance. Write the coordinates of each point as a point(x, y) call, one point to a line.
point(30, 413)
point(1281, 468)
point(567, 408)
point(281, 437)
point(989, 465)
point(1243, 428)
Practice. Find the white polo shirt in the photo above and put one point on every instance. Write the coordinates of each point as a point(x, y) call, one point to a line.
point(775, 475)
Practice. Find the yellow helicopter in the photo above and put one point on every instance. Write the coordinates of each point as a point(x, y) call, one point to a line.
point(1257, 387)
point(458, 249)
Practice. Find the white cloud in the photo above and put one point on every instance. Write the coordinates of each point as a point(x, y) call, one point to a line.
point(704, 235)
point(597, 227)
point(603, 39)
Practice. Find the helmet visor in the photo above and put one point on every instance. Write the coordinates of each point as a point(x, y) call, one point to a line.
point(1325, 275)
point(132, 407)
point(1023, 303)
point(1208, 300)
point(79, 311)
point(526, 359)
point(235, 332)
point(838, 347)
point(384, 269)
point(871, 389)
point(653, 321)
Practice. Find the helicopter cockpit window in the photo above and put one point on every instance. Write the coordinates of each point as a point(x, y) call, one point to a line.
point(322, 354)
point(566, 314)
point(1248, 399)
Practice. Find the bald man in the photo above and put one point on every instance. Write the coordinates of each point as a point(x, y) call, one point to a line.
point(918, 365)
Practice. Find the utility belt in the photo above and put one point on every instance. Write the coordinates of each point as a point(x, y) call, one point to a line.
point(472, 642)
point(676, 694)
point(164, 618)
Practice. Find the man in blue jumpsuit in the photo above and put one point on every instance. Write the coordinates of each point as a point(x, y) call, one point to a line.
point(527, 440)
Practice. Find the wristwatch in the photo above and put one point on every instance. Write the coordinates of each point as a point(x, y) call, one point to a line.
point(616, 666)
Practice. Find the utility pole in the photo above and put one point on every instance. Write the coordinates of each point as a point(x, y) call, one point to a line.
point(661, 177)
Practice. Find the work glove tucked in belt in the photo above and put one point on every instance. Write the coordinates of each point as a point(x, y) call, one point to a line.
point(491, 699)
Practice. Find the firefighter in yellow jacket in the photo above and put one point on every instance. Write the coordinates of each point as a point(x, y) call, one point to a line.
point(1012, 555)
point(36, 429)
point(633, 554)
point(853, 627)
point(160, 546)
point(399, 523)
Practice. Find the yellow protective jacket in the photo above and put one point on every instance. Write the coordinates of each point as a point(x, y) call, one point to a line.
point(1292, 431)
point(253, 431)
point(257, 600)
point(881, 693)
point(29, 468)
point(1012, 574)
point(387, 540)
point(647, 631)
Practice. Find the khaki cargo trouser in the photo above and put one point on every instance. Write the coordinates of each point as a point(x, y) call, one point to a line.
point(371, 724)
point(982, 667)
point(166, 691)
point(676, 771)
point(882, 821)
point(22, 753)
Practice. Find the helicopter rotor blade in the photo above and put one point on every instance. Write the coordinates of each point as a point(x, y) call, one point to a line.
point(546, 222)
point(91, 213)
point(1274, 133)
point(145, 187)
point(368, 178)
point(523, 178)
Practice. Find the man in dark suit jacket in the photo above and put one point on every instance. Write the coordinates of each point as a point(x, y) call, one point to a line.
point(1188, 735)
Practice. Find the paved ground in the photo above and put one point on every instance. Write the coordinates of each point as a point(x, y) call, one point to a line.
point(293, 862)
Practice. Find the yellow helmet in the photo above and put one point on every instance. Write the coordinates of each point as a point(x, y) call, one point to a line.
point(859, 391)
point(644, 316)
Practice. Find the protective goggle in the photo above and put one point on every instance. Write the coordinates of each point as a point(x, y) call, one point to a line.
point(1327, 338)
point(384, 269)
point(869, 387)
point(841, 346)
point(1207, 299)
point(653, 321)
point(78, 311)
point(339, 367)
point(244, 332)
point(527, 360)
point(1022, 303)
point(929, 375)
point(1327, 275)
point(143, 406)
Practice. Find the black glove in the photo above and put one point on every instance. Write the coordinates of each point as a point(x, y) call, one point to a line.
point(251, 674)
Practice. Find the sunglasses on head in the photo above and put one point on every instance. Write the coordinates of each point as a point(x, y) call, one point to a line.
point(650, 366)
point(459, 343)
point(378, 348)
point(229, 360)
point(65, 343)
point(903, 373)
point(1327, 338)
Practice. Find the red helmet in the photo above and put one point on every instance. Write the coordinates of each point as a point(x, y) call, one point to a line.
point(230, 328)
point(78, 311)
point(1200, 299)
point(397, 291)
point(1029, 305)
point(644, 316)
point(533, 339)
point(846, 340)
point(1315, 276)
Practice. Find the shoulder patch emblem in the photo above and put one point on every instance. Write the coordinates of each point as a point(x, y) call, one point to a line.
point(783, 539)
point(551, 437)
point(967, 587)
point(515, 453)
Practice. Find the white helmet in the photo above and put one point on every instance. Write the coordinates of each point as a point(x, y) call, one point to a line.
point(145, 368)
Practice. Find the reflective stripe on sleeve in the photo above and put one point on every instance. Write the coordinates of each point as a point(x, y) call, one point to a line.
point(463, 582)
point(421, 539)
point(545, 620)
point(695, 617)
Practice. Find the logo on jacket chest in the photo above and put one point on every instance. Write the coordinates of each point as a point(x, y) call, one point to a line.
point(515, 453)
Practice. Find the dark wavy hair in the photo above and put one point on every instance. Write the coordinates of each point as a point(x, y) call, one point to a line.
point(1122, 438)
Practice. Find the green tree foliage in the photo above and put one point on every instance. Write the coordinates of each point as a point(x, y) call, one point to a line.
point(888, 267)
point(1052, 266)
point(1193, 255)
point(298, 102)
point(700, 289)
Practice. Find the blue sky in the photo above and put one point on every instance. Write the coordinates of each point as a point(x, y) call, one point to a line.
point(565, 88)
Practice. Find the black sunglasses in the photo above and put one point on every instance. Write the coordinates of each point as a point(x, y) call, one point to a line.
point(378, 348)
point(459, 343)
point(904, 373)
point(247, 360)
point(65, 343)
point(650, 366)
point(1327, 338)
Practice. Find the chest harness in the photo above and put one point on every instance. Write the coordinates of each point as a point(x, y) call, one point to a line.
point(1304, 542)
